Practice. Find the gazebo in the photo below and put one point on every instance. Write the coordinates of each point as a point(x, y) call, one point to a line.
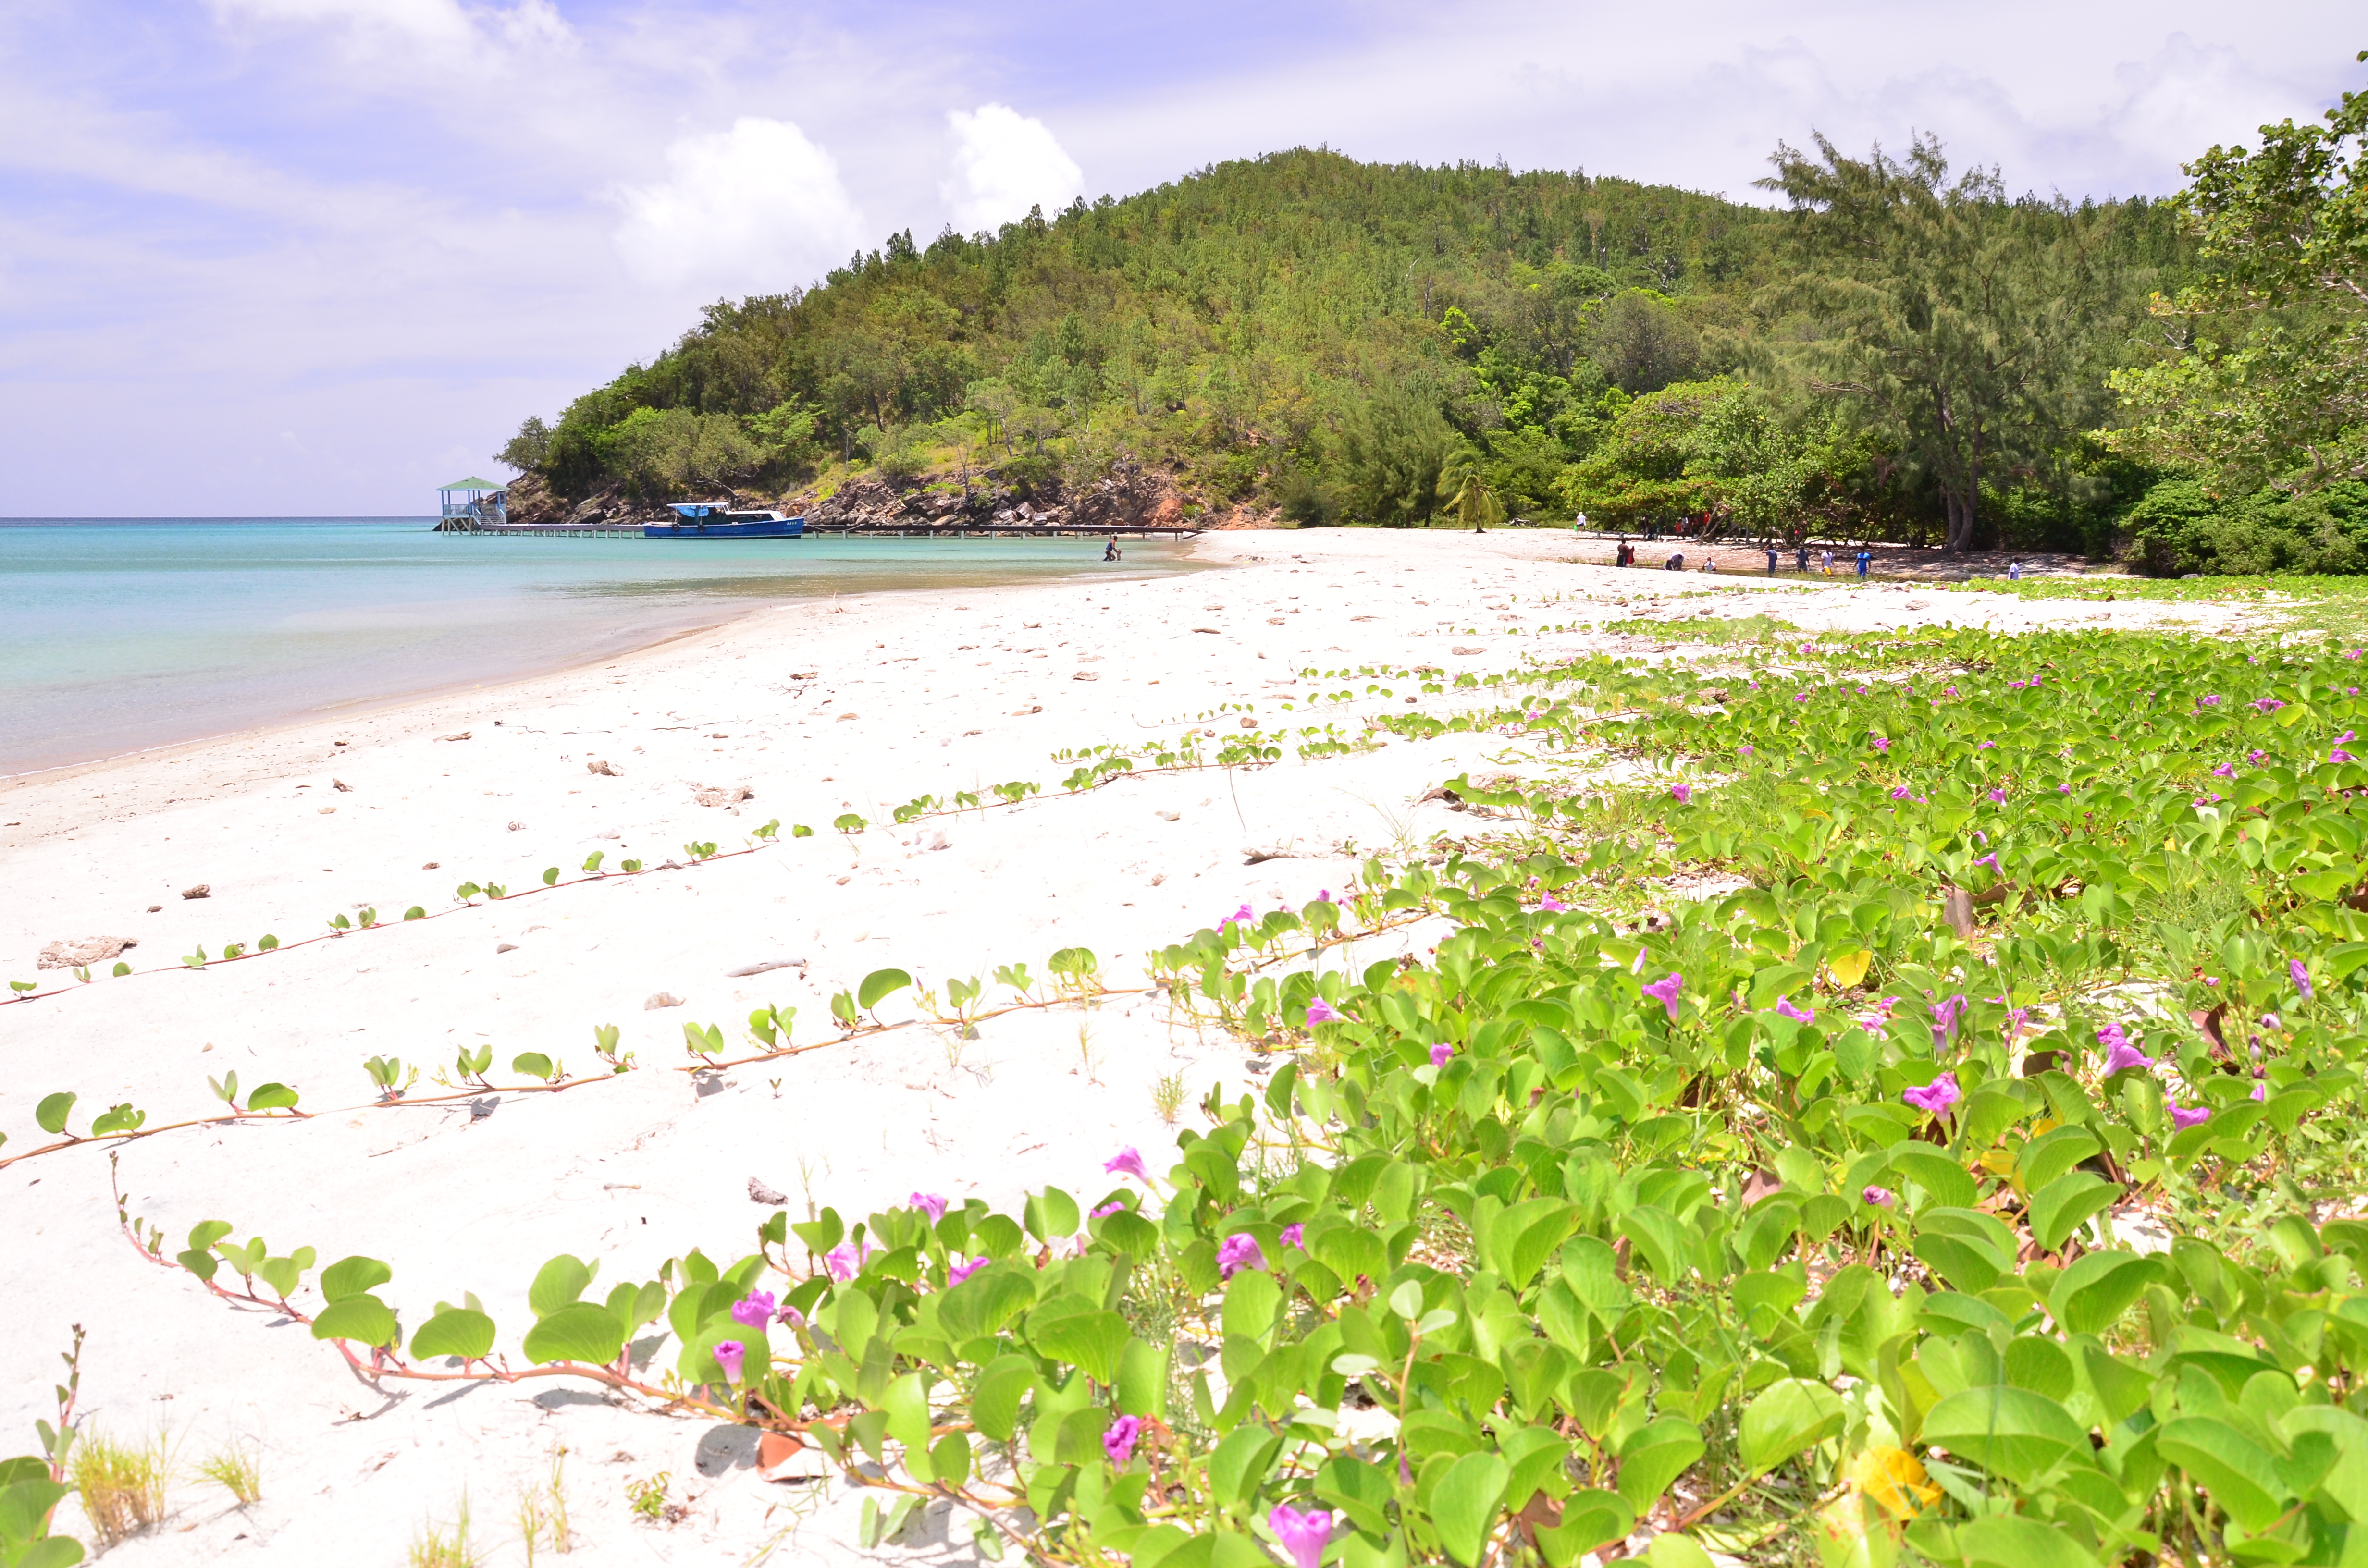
point(473, 502)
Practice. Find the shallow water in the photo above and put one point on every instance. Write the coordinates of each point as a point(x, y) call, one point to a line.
point(120, 635)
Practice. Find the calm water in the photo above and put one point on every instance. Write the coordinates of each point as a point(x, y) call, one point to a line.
point(116, 635)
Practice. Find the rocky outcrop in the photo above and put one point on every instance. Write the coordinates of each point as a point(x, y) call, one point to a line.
point(1131, 496)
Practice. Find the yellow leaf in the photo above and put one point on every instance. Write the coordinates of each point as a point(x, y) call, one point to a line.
point(1893, 1480)
point(1850, 968)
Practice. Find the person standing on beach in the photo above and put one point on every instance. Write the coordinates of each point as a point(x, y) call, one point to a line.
point(1772, 561)
point(1864, 556)
point(1829, 564)
point(1800, 559)
point(2014, 571)
point(1109, 548)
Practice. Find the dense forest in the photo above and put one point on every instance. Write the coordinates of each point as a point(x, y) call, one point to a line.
point(1888, 348)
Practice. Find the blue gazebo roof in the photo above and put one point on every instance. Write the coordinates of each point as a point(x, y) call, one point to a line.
point(472, 483)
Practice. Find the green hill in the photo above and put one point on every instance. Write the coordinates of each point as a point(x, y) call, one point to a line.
point(1334, 341)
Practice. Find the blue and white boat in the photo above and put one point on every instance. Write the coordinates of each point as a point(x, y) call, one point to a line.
point(709, 519)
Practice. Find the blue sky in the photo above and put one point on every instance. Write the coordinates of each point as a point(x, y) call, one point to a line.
point(315, 256)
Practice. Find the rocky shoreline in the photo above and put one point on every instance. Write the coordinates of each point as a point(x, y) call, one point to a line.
point(1131, 496)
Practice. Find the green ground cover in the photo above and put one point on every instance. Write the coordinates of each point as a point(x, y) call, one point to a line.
point(1968, 1170)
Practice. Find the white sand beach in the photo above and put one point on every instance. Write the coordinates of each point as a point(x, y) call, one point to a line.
point(816, 710)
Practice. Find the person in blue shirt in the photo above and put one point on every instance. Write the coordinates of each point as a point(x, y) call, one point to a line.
point(1772, 561)
point(1864, 556)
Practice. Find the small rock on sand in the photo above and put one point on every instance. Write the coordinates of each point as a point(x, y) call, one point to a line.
point(1168, 816)
point(461, 736)
point(201, 891)
point(745, 971)
point(843, 718)
point(724, 795)
point(759, 1193)
point(1466, 650)
point(507, 948)
point(90, 950)
point(517, 827)
point(663, 999)
point(604, 768)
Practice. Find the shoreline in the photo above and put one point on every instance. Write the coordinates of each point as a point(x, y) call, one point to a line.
point(711, 614)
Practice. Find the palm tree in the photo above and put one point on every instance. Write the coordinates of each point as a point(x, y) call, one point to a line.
point(1469, 496)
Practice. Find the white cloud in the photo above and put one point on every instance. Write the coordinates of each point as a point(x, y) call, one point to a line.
point(1006, 162)
point(757, 208)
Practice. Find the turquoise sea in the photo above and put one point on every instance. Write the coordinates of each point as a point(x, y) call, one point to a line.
point(120, 635)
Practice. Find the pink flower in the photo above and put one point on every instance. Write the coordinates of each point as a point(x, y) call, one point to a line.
point(1880, 743)
point(1106, 1211)
point(2182, 1118)
point(1117, 1438)
point(791, 1316)
point(2120, 1054)
point(1746, 750)
point(1294, 1235)
point(1319, 1011)
point(1236, 1253)
point(1936, 1097)
point(1880, 1196)
point(1303, 1535)
point(1549, 904)
point(1665, 992)
point(1900, 791)
point(1945, 1014)
point(1439, 1053)
point(845, 1262)
point(2301, 977)
point(2257, 757)
point(957, 1270)
point(1323, 896)
point(1784, 1008)
point(1997, 797)
point(1681, 793)
point(2015, 1019)
point(1126, 1162)
point(753, 1311)
point(2338, 754)
point(929, 1203)
point(729, 1353)
point(2208, 702)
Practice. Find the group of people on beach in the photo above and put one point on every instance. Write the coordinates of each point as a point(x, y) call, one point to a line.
point(1625, 555)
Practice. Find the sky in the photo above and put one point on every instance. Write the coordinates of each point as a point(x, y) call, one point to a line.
point(315, 257)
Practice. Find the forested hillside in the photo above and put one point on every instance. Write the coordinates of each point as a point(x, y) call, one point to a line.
point(1888, 349)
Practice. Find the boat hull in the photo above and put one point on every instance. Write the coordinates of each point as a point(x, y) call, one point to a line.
point(768, 527)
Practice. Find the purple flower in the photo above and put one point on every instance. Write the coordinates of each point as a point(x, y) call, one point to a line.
point(791, 1316)
point(1879, 743)
point(1323, 896)
point(1997, 797)
point(845, 1262)
point(2225, 770)
point(1236, 1253)
point(753, 1310)
point(1879, 1196)
point(1800, 696)
point(1986, 745)
point(2208, 702)
point(1549, 904)
point(2261, 1092)
point(1784, 1008)
point(1681, 793)
point(2119, 1053)
point(1936, 1097)
point(2182, 1118)
point(2257, 757)
point(2267, 704)
point(1879, 1014)
point(1439, 1053)
point(728, 1354)
point(2343, 739)
point(2301, 977)
point(1294, 1235)
point(1118, 1440)
point(1303, 1535)
point(931, 1203)
point(1945, 1014)
point(957, 1270)
point(1745, 752)
point(1126, 1162)
point(1665, 992)
point(1242, 915)
point(2269, 1020)
point(1991, 861)
point(1319, 1011)
point(1106, 1211)
point(1900, 791)
point(2338, 754)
